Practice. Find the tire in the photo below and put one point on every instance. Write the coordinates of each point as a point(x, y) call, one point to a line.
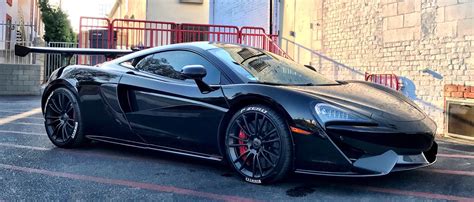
point(260, 154)
point(63, 121)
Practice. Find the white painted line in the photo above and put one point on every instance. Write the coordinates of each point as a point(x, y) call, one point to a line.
point(19, 116)
point(28, 124)
point(455, 150)
point(21, 132)
point(30, 117)
point(24, 147)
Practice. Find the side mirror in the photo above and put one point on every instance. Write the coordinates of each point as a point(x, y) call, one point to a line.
point(197, 72)
point(194, 72)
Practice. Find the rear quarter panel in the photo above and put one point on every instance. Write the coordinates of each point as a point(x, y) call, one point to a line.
point(96, 91)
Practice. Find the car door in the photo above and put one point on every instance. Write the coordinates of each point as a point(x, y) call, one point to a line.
point(168, 110)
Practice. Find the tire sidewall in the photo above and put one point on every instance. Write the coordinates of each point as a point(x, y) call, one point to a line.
point(286, 146)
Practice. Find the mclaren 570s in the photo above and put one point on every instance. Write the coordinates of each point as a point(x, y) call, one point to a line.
point(264, 115)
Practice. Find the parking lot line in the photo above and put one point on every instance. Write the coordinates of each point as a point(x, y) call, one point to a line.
point(456, 150)
point(25, 123)
point(456, 156)
point(134, 184)
point(417, 194)
point(24, 147)
point(451, 172)
point(9, 119)
point(22, 132)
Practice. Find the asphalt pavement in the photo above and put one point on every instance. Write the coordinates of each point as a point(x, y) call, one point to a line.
point(31, 168)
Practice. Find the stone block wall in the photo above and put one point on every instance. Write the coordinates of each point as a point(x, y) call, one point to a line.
point(428, 43)
point(20, 79)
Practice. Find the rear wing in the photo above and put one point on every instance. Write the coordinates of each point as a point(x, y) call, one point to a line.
point(23, 51)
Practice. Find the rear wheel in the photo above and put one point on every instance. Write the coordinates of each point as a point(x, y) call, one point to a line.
point(63, 119)
point(258, 144)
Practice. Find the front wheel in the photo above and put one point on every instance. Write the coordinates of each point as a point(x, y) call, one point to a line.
point(63, 121)
point(258, 144)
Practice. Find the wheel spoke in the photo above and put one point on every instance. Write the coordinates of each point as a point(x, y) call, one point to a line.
point(51, 117)
point(238, 138)
point(253, 165)
point(263, 125)
point(241, 155)
point(267, 159)
point(246, 124)
point(238, 145)
point(259, 165)
point(245, 160)
point(70, 125)
point(269, 133)
point(56, 130)
point(64, 132)
point(69, 108)
point(243, 129)
point(52, 122)
point(268, 152)
point(256, 124)
point(270, 141)
point(60, 100)
point(54, 107)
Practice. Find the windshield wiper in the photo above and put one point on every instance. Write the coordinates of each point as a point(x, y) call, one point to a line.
point(253, 56)
point(282, 84)
point(265, 82)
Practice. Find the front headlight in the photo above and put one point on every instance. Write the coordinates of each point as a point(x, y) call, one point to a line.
point(331, 113)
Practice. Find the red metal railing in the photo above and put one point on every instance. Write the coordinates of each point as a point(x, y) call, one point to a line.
point(142, 33)
point(128, 33)
point(388, 80)
point(204, 32)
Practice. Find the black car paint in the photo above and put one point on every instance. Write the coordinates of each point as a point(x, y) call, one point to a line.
point(129, 107)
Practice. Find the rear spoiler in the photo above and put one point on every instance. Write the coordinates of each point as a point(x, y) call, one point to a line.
point(23, 51)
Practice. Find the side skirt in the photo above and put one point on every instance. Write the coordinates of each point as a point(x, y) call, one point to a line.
point(153, 147)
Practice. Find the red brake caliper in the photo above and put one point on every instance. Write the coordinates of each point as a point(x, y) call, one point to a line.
point(242, 149)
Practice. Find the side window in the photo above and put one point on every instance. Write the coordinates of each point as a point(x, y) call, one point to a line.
point(170, 63)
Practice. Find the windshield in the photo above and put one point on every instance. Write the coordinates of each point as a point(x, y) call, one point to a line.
point(255, 65)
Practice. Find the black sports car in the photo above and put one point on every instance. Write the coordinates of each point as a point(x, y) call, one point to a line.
point(263, 114)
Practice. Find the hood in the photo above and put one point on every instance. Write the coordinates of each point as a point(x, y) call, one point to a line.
point(372, 100)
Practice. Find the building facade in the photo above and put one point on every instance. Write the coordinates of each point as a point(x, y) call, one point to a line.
point(179, 11)
point(20, 20)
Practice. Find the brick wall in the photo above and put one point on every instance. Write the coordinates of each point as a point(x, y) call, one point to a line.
point(459, 91)
point(429, 43)
point(19, 79)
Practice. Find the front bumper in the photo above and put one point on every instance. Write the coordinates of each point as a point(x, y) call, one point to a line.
point(377, 165)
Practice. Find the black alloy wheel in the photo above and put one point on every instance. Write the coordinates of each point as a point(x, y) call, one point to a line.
point(63, 119)
point(258, 144)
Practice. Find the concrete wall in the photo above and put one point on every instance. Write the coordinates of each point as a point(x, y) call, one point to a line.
point(429, 43)
point(20, 79)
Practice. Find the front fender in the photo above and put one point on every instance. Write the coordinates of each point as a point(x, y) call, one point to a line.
point(313, 150)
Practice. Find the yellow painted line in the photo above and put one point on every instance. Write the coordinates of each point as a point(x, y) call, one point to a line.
point(15, 117)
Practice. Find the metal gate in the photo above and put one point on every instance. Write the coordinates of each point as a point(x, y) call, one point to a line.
point(55, 61)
